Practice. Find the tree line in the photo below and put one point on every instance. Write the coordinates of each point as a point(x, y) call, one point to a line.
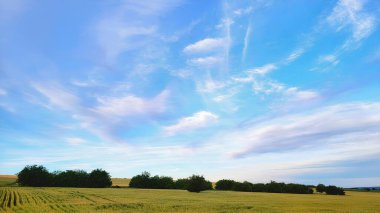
point(272, 187)
point(198, 183)
point(39, 176)
point(194, 183)
point(35, 175)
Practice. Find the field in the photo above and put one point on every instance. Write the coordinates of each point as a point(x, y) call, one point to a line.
point(7, 180)
point(123, 182)
point(21, 199)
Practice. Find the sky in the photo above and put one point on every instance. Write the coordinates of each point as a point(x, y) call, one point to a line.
point(248, 90)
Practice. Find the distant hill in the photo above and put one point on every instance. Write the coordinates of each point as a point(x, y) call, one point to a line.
point(369, 188)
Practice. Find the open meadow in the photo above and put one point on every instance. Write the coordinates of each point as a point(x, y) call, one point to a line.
point(55, 199)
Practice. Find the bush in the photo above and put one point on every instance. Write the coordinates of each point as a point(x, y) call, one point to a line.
point(224, 184)
point(198, 183)
point(333, 190)
point(99, 178)
point(34, 176)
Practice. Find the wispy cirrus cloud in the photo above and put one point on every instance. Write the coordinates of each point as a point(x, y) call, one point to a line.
point(206, 61)
point(131, 105)
point(350, 14)
point(107, 113)
point(196, 121)
point(75, 140)
point(325, 127)
point(119, 30)
point(206, 45)
point(247, 38)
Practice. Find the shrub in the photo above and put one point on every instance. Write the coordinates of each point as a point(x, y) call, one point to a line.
point(224, 184)
point(197, 184)
point(34, 176)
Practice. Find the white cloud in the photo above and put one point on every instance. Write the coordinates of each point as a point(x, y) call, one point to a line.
point(206, 45)
point(349, 13)
point(295, 54)
point(152, 8)
point(263, 70)
point(181, 73)
point(339, 126)
point(107, 114)
point(206, 61)
point(243, 11)
point(196, 121)
point(75, 141)
point(331, 59)
point(246, 41)
point(301, 95)
point(114, 36)
point(130, 26)
point(131, 105)
point(210, 85)
point(57, 95)
point(253, 74)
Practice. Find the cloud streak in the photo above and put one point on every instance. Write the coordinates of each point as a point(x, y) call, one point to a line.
point(187, 124)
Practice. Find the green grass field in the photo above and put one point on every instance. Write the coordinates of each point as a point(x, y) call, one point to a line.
point(27, 199)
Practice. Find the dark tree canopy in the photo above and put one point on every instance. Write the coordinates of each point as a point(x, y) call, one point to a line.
point(321, 188)
point(40, 176)
point(156, 182)
point(198, 183)
point(71, 178)
point(99, 178)
point(224, 184)
point(34, 176)
point(333, 190)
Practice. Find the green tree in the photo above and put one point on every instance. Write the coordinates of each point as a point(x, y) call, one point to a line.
point(99, 178)
point(34, 176)
point(197, 184)
point(321, 188)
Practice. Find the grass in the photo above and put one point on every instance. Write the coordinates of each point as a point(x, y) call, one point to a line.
point(27, 199)
point(124, 182)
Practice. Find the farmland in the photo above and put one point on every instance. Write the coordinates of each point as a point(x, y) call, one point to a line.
point(45, 199)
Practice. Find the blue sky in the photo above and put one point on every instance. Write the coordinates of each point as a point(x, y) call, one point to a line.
point(248, 90)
